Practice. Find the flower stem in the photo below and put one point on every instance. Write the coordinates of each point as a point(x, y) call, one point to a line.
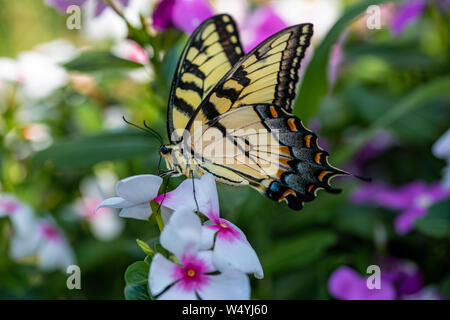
point(157, 213)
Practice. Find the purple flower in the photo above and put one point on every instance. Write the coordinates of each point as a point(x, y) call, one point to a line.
point(186, 15)
point(345, 284)
point(260, 25)
point(162, 16)
point(380, 143)
point(406, 14)
point(404, 275)
point(62, 5)
point(412, 200)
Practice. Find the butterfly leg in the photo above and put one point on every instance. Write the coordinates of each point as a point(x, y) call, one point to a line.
point(193, 188)
point(165, 192)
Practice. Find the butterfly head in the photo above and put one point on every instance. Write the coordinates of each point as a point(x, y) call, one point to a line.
point(165, 151)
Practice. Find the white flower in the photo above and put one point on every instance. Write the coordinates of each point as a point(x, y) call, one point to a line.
point(192, 277)
point(134, 196)
point(104, 224)
point(38, 71)
point(231, 248)
point(321, 13)
point(20, 214)
point(441, 149)
point(130, 50)
point(47, 242)
point(108, 25)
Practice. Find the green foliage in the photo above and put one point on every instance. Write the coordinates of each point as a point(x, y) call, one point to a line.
point(94, 61)
point(437, 221)
point(137, 273)
point(315, 81)
point(86, 151)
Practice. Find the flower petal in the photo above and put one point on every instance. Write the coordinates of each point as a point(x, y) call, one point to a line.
point(178, 292)
point(183, 195)
point(162, 274)
point(237, 253)
point(208, 233)
point(183, 232)
point(231, 284)
point(140, 188)
point(140, 212)
point(114, 202)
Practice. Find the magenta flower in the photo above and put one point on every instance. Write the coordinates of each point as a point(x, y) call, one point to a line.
point(162, 15)
point(231, 247)
point(345, 284)
point(259, 25)
point(62, 5)
point(412, 199)
point(406, 14)
point(186, 15)
point(193, 276)
point(404, 275)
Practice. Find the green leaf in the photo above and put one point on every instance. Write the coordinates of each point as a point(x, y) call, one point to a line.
point(84, 152)
point(298, 251)
point(314, 85)
point(91, 61)
point(145, 247)
point(137, 273)
point(437, 221)
point(136, 292)
point(409, 103)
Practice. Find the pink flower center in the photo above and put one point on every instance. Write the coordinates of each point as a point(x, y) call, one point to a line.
point(50, 232)
point(192, 275)
point(227, 231)
point(9, 206)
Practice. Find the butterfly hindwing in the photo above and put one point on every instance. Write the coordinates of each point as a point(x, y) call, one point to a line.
point(210, 53)
point(267, 148)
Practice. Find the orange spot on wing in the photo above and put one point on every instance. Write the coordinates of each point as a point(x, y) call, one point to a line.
point(291, 124)
point(285, 161)
point(310, 187)
point(323, 174)
point(286, 193)
point(308, 141)
point(285, 150)
point(273, 112)
point(317, 157)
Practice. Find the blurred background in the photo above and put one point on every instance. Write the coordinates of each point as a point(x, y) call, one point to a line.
point(375, 87)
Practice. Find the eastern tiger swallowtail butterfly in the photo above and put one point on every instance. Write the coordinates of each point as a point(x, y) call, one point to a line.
point(229, 114)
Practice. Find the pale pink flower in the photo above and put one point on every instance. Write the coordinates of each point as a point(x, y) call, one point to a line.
point(192, 277)
point(231, 248)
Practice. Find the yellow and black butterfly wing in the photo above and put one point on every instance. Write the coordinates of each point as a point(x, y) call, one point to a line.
point(267, 148)
point(243, 131)
point(268, 74)
point(211, 51)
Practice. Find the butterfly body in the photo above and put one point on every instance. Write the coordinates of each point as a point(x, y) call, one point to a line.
point(230, 114)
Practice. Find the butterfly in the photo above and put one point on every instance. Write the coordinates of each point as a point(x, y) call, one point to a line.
point(230, 114)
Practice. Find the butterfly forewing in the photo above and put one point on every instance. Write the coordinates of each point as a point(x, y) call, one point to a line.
point(268, 74)
point(210, 53)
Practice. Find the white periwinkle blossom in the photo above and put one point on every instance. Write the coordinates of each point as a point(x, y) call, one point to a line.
point(196, 274)
point(441, 149)
point(134, 196)
point(231, 247)
point(39, 71)
point(35, 237)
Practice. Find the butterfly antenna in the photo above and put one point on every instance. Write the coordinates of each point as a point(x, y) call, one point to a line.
point(152, 132)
